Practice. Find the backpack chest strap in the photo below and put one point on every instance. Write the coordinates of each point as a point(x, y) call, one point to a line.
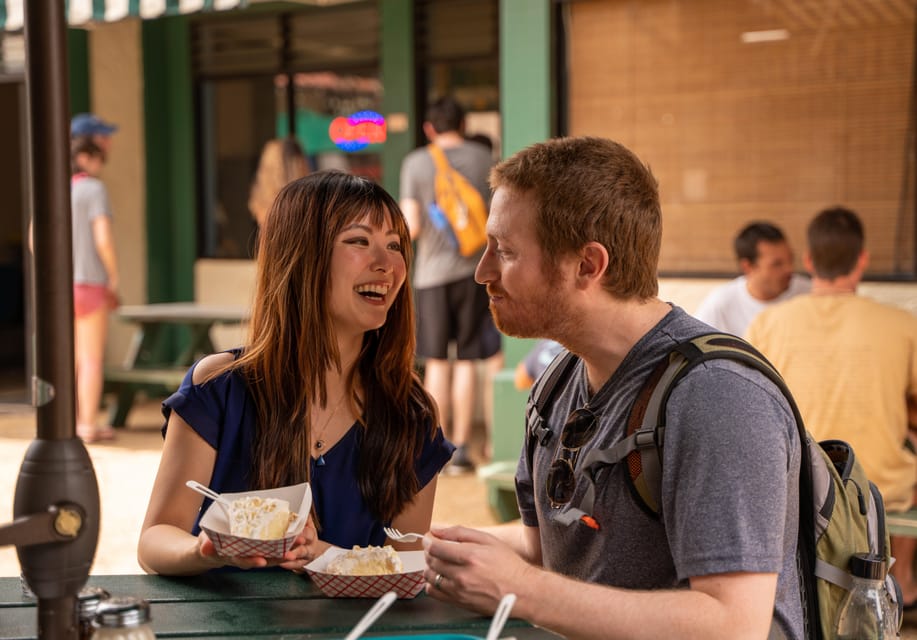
point(642, 442)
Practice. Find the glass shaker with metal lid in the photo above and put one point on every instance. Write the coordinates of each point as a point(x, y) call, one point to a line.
point(124, 618)
point(88, 601)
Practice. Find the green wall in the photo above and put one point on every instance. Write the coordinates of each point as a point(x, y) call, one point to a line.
point(397, 38)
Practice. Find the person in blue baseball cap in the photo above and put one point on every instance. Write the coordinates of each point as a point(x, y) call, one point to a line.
point(91, 126)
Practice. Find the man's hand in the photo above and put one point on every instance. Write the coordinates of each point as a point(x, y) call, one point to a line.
point(472, 568)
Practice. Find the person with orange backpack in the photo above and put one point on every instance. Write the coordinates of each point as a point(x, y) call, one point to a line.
point(444, 196)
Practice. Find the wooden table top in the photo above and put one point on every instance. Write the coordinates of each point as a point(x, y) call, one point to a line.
point(262, 604)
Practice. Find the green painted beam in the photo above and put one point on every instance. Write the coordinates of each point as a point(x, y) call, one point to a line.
point(170, 154)
point(78, 61)
point(526, 78)
point(398, 70)
point(171, 209)
point(526, 95)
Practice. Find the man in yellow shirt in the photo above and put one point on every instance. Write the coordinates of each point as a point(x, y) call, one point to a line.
point(851, 364)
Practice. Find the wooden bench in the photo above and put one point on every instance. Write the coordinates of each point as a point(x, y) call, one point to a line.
point(125, 383)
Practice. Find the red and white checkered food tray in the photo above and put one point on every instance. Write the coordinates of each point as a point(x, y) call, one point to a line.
point(406, 584)
point(216, 523)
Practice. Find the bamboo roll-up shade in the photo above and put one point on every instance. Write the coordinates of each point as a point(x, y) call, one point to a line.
point(755, 109)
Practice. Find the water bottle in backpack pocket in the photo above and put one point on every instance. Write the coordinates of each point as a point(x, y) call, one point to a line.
point(849, 523)
point(866, 611)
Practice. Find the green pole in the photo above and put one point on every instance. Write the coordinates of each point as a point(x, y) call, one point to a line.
point(398, 70)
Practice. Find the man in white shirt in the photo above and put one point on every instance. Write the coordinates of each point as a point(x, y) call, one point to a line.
point(766, 261)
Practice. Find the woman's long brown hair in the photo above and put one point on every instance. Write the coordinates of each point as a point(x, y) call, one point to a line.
point(292, 345)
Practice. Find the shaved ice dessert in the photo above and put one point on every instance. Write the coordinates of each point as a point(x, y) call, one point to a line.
point(366, 561)
point(260, 518)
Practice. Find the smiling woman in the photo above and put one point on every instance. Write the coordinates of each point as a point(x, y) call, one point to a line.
point(324, 390)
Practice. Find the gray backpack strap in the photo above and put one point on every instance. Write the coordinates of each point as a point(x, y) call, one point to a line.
point(538, 432)
point(650, 437)
point(827, 571)
point(876, 526)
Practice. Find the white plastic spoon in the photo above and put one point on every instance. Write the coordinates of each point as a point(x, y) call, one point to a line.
point(500, 616)
point(370, 616)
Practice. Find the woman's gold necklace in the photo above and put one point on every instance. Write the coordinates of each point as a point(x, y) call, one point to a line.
point(319, 441)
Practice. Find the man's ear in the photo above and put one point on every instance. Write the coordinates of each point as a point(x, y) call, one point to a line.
point(862, 263)
point(593, 263)
point(745, 265)
point(807, 263)
point(429, 131)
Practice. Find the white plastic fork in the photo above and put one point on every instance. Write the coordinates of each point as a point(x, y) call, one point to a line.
point(370, 616)
point(395, 534)
point(500, 616)
point(210, 493)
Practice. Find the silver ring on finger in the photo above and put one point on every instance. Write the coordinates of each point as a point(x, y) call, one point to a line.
point(438, 580)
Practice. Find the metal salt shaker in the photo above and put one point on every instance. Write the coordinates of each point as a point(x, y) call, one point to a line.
point(123, 618)
point(88, 602)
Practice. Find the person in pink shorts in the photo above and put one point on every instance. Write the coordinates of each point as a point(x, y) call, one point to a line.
point(95, 273)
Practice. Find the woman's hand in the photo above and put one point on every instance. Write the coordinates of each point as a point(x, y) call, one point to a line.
point(306, 548)
point(208, 553)
point(294, 559)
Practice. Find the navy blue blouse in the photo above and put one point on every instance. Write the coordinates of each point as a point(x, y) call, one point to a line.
point(223, 413)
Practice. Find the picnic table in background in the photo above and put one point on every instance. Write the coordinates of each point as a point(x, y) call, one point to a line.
point(145, 368)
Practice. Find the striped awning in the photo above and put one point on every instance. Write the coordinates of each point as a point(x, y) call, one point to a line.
point(81, 13)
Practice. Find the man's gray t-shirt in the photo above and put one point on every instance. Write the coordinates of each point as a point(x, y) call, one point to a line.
point(88, 200)
point(438, 261)
point(730, 478)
